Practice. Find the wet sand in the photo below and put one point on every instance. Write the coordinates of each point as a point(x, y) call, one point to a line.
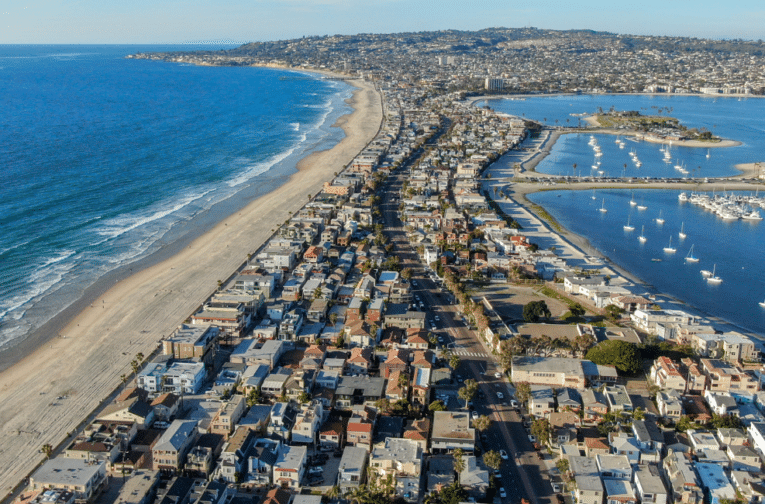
point(102, 338)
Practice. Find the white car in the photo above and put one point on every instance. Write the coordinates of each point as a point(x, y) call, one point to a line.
point(436, 318)
point(533, 439)
point(500, 395)
point(502, 492)
point(475, 415)
point(503, 454)
point(498, 375)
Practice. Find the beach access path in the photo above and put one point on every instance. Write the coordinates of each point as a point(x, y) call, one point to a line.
point(47, 394)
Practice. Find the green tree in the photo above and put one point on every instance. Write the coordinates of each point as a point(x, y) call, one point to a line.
point(253, 397)
point(562, 465)
point(304, 398)
point(406, 274)
point(454, 361)
point(467, 392)
point(621, 354)
point(492, 460)
point(685, 423)
point(577, 310)
point(542, 430)
point(614, 312)
point(638, 414)
point(437, 405)
point(535, 310)
point(522, 392)
point(47, 449)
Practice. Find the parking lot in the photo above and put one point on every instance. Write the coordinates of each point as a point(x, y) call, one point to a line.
point(324, 480)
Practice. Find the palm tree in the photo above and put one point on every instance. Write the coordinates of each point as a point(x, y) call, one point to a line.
point(482, 423)
point(333, 492)
point(135, 366)
point(459, 462)
point(492, 459)
point(47, 449)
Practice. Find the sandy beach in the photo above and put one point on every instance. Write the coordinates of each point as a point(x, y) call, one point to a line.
point(50, 391)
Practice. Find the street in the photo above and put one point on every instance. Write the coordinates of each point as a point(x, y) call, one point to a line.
point(506, 432)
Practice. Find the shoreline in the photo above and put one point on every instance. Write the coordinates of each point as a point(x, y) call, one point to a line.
point(139, 307)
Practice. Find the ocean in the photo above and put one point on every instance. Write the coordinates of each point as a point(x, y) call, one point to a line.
point(735, 247)
point(108, 160)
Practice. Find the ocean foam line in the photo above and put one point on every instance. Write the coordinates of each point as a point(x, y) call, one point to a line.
point(39, 282)
point(263, 166)
point(118, 226)
point(295, 126)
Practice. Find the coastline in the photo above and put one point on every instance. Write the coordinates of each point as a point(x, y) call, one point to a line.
point(131, 311)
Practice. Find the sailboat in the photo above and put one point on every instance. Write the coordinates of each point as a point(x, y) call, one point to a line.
point(603, 206)
point(690, 257)
point(762, 303)
point(632, 200)
point(659, 219)
point(714, 279)
point(642, 237)
point(682, 234)
point(593, 194)
point(669, 249)
point(708, 158)
point(628, 227)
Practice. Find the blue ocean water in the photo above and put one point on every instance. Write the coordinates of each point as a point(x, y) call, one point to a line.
point(106, 160)
point(735, 247)
point(741, 119)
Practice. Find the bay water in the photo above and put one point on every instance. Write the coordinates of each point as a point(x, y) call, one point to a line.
point(735, 248)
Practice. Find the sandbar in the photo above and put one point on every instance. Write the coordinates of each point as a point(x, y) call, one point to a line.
point(85, 365)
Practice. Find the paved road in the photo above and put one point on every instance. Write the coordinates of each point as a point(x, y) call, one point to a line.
point(523, 475)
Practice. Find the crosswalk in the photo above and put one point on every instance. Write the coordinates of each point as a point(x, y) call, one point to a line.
point(464, 353)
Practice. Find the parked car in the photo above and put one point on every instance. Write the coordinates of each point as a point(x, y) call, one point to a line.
point(503, 454)
point(500, 395)
point(502, 492)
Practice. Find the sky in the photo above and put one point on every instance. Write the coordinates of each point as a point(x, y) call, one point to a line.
point(182, 21)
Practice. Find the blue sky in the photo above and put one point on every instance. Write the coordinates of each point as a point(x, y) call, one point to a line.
point(177, 21)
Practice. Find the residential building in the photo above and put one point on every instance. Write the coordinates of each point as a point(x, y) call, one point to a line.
point(723, 376)
point(351, 473)
point(474, 478)
point(307, 423)
point(169, 454)
point(649, 485)
point(451, 430)
point(228, 416)
point(290, 466)
point(665, 374)
point(589, 488)
point(84, 478)
point(715, 483)
point(551, 371)
point(197, 342)
point(179, 377)
point(359, 390)
point(402, 459)
point(541, 401)
point(681, 480)
point(614, 467)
